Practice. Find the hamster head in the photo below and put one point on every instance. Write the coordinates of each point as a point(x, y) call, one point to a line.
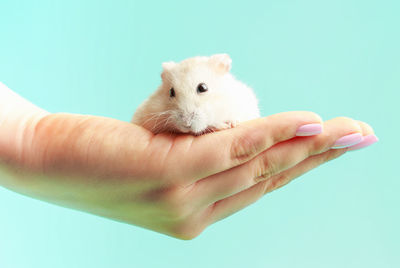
point(195, 92)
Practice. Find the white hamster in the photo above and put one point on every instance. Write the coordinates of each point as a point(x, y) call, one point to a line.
point(197, 95)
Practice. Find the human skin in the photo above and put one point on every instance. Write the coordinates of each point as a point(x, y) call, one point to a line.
point(172, 184)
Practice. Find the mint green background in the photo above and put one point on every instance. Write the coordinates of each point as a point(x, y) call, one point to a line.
point(336, 58)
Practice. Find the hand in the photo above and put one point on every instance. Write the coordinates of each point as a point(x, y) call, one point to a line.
point(172, 184)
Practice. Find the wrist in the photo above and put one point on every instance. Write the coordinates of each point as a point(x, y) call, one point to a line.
point(18, 118)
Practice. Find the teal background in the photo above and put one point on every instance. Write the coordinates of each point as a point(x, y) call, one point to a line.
point(336, 58)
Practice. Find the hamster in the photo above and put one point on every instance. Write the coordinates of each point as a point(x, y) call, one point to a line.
point(197, 95)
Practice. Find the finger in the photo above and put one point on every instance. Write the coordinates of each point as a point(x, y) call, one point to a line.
point(228, 206)
point(369, 137)
point(278, 158)
point(212, 153)
point(366, 128)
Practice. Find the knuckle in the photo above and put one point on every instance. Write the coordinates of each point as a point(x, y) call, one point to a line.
point(186, 230)
point(265, 167)
point(320, 144)
point(244, 147)
point(277, 182)
point(261, 189)
point(184, 236)
point(332, 154)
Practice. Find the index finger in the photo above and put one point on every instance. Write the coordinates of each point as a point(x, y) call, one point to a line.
point(212, 153)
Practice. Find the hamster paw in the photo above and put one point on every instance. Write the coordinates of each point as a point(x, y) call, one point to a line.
point(234, 123)
point(226, 125)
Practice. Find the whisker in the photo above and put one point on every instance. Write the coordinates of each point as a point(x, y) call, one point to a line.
point(162, 125)
point(156, 116)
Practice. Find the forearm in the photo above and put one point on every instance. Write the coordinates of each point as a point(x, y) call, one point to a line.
point(40, 151)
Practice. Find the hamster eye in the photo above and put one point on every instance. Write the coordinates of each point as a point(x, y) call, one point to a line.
point(172, 92)
point(202, 88)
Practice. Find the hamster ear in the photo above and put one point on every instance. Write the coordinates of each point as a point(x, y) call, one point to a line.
point(168, 65)
point(222, 62)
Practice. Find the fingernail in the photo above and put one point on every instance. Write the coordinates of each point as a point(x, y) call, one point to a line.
point(347, 141)
point(367, 141)
point(309, 130)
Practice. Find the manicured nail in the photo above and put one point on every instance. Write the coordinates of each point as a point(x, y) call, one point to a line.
point(367, 141)
point(309, 130)
point(347, 141)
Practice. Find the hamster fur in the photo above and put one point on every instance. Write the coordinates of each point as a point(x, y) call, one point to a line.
point(182, 105)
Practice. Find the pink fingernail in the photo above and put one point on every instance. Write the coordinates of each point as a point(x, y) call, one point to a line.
point(309, 130)
point(367, 141)
point(347, 141)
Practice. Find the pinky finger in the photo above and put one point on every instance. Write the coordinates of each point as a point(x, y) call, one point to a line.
point(228, 206)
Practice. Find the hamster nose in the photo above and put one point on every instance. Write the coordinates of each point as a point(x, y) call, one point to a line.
point(187, 119)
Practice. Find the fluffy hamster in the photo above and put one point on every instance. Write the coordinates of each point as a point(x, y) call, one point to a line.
point(197, 95)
